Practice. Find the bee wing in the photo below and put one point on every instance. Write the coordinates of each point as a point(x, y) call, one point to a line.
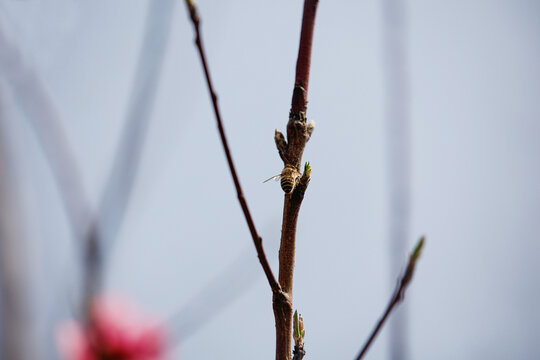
point(275, 177)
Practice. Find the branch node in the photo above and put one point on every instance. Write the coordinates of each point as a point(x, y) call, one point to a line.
point(295, 116)
point(192, 11)
point(298, 352)
point(281, 145)
point(310, 129)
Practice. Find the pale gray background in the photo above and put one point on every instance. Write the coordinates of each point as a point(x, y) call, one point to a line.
point(475, 78)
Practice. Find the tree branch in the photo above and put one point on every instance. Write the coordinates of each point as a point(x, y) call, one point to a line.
point(14, 278)
point(257, 240)
point(397, 297)
point(298, 133)
point(34, 100)
point(117, 193)
point(303, 63)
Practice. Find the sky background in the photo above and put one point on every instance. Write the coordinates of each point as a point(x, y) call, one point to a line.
point(475, 129)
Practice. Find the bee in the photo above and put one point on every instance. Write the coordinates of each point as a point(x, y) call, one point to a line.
point(289, 178)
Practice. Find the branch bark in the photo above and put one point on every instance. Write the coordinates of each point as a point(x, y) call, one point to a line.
point(283, 304)
point(298, 133)
point(257, 240)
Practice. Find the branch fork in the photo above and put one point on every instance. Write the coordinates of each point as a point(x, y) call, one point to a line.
point(299, 132)
point(290, 151)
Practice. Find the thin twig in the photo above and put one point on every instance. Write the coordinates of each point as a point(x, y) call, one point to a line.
point(230, 283)
point(257, 240)
point(397, 296)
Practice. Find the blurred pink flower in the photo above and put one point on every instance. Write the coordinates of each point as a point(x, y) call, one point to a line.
point(119, 331)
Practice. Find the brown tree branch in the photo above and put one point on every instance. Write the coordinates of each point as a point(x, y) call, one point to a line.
point(257, 240)
point(397, 296)
point(282, 304)
point(303, 63)
point(298, 133)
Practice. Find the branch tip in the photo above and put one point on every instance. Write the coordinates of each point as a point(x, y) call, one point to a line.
point(397, 296)
point(418, 249)
point(298, 328)
point(281, 145)
point(192, 10)
point(310, 128)
point(298, 335)
point(307, 169)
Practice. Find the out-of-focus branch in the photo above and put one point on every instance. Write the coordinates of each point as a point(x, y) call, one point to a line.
point(117, 193)
point(115, 198)
point(90, 228)
point(397, 296)
point(14, 337)
point(398, 155)
point(38, 108)
point(257, 240)
point(229, 283)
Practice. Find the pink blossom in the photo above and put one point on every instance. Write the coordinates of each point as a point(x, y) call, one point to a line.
point(119, 331)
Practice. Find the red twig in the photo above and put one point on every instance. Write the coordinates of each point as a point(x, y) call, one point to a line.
point(257, 240)
point(303, 63)
point(397, 296)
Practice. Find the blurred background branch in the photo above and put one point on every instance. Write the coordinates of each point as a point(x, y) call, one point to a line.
point(91, 228)
point(117, 193)
point(14, 304)
point(398, 156)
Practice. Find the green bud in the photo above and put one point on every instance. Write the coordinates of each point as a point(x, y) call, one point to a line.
point(307, 169)
point(298, 328)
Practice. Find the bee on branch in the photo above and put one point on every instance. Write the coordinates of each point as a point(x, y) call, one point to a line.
point(291, 152)
point(289, 178)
